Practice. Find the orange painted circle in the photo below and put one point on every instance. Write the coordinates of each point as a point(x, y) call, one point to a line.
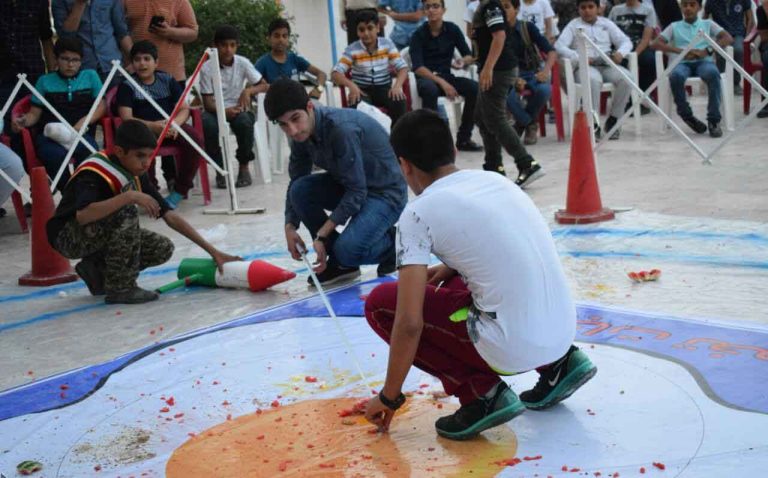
point(310, 439)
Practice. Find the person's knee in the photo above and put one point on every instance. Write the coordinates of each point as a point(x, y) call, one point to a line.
point(349, 252)
point(677, 78)
point(383, 297)
point(300, 192)
point(710, 75)
point(543, 91)
point(243, 123)
point(165, 250)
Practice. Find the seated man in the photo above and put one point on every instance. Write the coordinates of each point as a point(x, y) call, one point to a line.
point(473, 317)
point(762, 29)
point(71, 92)
point(431, 51)
point(362, 186)
point(239, 83)
point(526, 41)
point(638, 20)
point(370, 59)
point(97, 219)
point(612, 41)
point(736, 17)
point(161, 87)
point(698, 62)
point(280, 62)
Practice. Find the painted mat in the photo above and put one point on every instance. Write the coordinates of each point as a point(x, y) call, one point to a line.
point(264, 395)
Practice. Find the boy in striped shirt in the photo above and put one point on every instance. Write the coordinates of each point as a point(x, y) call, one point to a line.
point(371, 61)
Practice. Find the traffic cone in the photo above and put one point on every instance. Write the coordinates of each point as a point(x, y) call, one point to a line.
point(48, 266)
point(583, 204)
point(255, 275)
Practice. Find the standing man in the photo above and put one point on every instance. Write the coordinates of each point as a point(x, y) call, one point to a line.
point(431, 51)
point(362, 185)
point(100, 26)
point(473, 317)
point(408, 16)
point(498, 69)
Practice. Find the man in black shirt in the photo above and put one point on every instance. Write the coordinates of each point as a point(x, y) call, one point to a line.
point(431, 52)
point(97, 219)
point(498, 69)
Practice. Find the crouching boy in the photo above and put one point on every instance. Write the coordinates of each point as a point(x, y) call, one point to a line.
point(97, 219)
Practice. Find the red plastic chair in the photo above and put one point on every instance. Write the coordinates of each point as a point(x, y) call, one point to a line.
point(751, 67)
point(174, 150)
point(18, 203)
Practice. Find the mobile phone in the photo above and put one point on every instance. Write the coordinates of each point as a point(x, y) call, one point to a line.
point(156, 20)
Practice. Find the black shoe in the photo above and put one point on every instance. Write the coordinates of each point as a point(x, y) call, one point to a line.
point(91, 270)
point(482, 414)
point(134, 295)
point(28, 209)
point(763, 112)
point(3, 212)
point(243, 179)
point(335, 273)
point(388, 264)
point(558, 380)
point(221, 181)
point(609, 124)
point(696, 124)
point(469, 146)
point(714, 130)
point(598, 131)
point(529, 175)
point(496, 169)
point(644, 110)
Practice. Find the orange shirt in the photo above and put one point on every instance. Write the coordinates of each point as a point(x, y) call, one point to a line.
point(178, 13)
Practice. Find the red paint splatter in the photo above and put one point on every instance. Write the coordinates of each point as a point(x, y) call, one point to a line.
point(659, 465)
point(423, 385)
point(215, 382)
point(171, 349)
point(161, 328)
point(431, 449)
point(178, 415)
point(118, 313)
point(274, 404)
point(283, 465)
point(229, 416)
point(191, 434)
point(439, 405)
point(327, 465)
point(531, 458)
point(165, 410)
point(310, 445)
point(64, 386)
point(642, 469)
point(564, 468)
point(260, 437)
point(152, 332)
point(30, 372)
point(225, 403)
point(97, 468)
point(309, 379)
point(171, 402)
point(63, 395)
point(508, 462)
point(575, 470)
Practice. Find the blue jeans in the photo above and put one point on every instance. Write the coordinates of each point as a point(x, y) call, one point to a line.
point(52, 154)
point(526, 114)
point(707, 71)
point(11, 165)
point(369, 236)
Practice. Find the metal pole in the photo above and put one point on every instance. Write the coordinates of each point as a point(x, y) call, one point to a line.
point(586, 87)
point(15, 186)
point(332, 25)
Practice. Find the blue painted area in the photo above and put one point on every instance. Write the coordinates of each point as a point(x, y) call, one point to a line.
point(670, 257)
point(730, 363)
point(576, 231)
point(49, 316)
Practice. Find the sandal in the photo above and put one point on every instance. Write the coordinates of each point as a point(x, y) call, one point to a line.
point(243, 179)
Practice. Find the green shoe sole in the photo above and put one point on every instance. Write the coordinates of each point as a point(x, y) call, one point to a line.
point(572, 382)
point(494, 419)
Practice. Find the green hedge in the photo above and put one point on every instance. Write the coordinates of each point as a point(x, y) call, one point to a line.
point(251, 17)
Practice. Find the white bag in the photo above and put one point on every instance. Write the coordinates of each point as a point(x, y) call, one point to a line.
point(60, 133)
point(375, 113)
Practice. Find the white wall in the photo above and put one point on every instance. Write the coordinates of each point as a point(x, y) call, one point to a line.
point(310, 22)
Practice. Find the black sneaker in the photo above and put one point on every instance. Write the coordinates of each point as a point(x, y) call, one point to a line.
point(333, 274)
point(696, 124)
point(388, 264)
point(91, 270)
point(763, 113)
point(558, 380)
point(598, 131)
point(469, 146)
point(609, 124)
point(134, 295)
point(482, 414)
point(496, 169)
point(714, 130)
point(221, 181)
point(529, 175)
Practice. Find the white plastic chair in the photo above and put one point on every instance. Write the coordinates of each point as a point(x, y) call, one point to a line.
point(573, 89)
point(726, 78)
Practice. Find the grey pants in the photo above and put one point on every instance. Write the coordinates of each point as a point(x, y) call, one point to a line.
point(495, 128)
point(601, 74)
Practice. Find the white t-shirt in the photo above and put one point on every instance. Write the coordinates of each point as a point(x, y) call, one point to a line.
point(471, 8)
point(536, 13)
point(489, 230)
point(233, 79)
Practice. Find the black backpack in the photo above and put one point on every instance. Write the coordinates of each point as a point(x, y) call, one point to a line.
point(531, 60)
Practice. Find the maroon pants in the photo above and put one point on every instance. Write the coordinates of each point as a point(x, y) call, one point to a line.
point(187, 159)
point(445, 349)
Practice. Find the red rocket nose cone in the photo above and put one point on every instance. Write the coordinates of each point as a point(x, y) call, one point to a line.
point(263, 275)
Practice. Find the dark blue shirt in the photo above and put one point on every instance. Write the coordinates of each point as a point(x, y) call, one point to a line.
point(272, 71)
point(101, 28)
point(354, 148)
point(436, 52)
point(729, 14)
point(165, 90)
point(516, 43)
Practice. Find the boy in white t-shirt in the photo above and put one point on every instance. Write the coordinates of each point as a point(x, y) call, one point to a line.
point(499, 303)
point(540, 13)
point(240, 82)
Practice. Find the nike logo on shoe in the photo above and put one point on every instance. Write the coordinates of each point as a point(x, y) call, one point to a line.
point(553, 382)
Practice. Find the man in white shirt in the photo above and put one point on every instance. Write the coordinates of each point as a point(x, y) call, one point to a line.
point(610, 40)
point(240, 81)
point(499, 303)
point(540, 13)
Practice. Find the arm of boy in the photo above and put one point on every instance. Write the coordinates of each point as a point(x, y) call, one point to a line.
point(178, 224)
point(353, 91)
point(317, 91)
point(101, 209)
point(406, 332)
point(30, 118)
point(396, 92)
point(497, 45)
